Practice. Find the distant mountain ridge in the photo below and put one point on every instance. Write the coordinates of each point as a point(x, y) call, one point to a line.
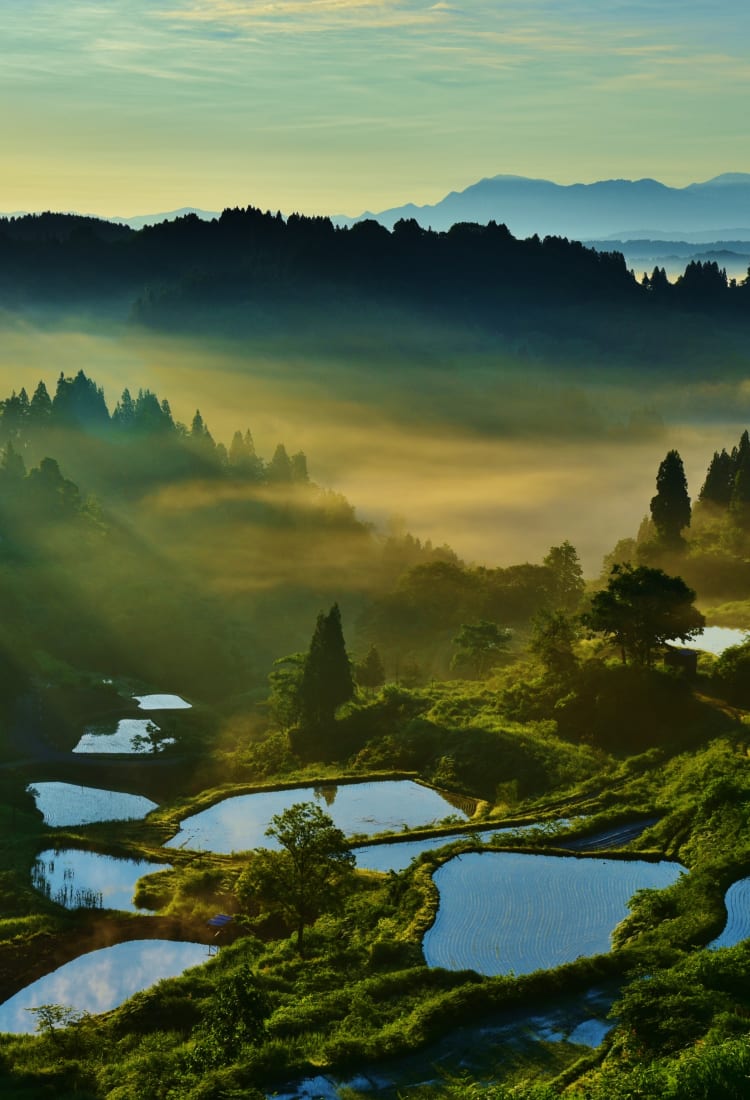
point(615, 208)
point(137, 221)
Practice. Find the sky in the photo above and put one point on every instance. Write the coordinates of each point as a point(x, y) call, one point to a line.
point(125, 107)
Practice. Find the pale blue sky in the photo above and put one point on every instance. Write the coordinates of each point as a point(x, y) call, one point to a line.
point(128, 106)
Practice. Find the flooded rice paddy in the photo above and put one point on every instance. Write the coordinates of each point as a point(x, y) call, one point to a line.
point(398, 855)
point(240, 822)
point(737, 928)
point(503, 912)
point(76, 878)
point(161, 702)
point(101, 980)
point(70, 804)
point(130, 735)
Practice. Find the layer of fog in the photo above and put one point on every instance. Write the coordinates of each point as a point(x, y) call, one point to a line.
point(498, 459)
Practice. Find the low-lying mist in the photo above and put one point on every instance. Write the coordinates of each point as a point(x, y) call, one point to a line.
point(498, 457)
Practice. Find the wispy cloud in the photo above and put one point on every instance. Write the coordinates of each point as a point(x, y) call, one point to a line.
point(295, 16)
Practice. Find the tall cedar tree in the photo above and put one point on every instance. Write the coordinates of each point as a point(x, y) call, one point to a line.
point(739, 505)
point(327, 680)
point(670, 508)
point(717, 488)
point(567, 577)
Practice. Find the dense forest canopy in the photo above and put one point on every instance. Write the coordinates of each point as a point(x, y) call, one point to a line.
point(247, 271)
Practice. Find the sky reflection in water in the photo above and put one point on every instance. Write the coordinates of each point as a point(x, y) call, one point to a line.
point(77, 878)
point(70, 804)
point(101, 980)
point(99, 739)
point(239, 823)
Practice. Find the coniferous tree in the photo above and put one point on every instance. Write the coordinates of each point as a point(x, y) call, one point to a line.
point(370, 672)
point(79, 403)
point(739, 505)
point(717, 488)
point(124, 414)
point(299, 467)
point(280, 466)
point(237, 450)
point(13, 466)
point(327, 680)
point(242, 457)
point(670, 508)
point(741, 452)
point(40, 407)
point(567, 577)
point(15, 415)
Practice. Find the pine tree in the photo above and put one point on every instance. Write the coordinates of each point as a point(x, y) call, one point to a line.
point(670, 508)
point(327, 677)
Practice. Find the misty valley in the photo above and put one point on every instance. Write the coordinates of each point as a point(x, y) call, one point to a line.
point(374, 665)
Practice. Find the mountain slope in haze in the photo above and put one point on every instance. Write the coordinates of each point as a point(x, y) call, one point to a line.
point(584, 210)
point(137, 221)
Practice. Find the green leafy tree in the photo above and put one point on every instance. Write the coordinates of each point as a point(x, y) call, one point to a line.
point(308, 875)
point(327, 680)
point(235, 1017)
point(553, 638)
point(479, 646)
point(285, 682)
point(642, 608)
point(567, 577)
point(670, 508)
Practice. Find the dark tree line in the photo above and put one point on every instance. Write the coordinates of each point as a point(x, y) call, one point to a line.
point(262, 259)
point(79, 406)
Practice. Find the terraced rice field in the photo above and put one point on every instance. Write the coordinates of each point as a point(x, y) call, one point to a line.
point(239, 823)
point(71, 804)
point(398, 855)
point(737, 928)
point(77, 879)
point(101, 980)
point(510, 912)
